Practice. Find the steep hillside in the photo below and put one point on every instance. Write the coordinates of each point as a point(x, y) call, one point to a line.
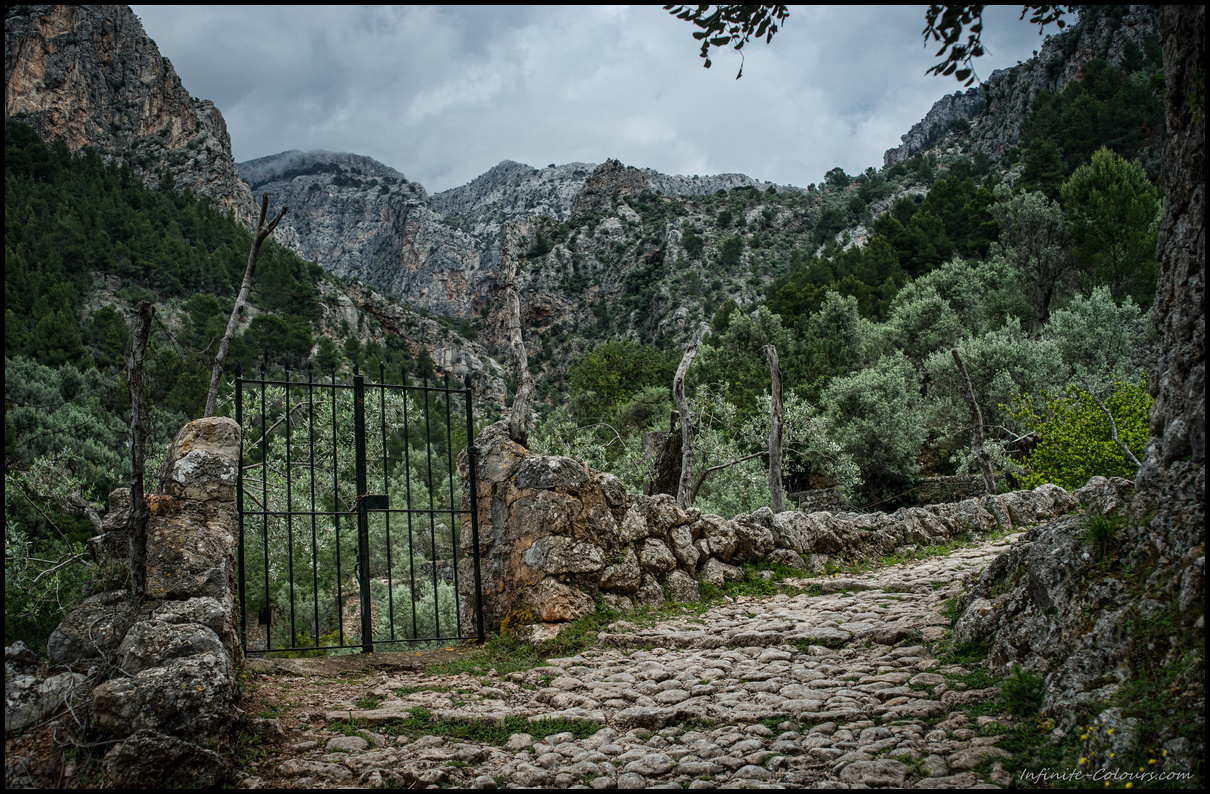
point(1119, 35)
point(90, 76)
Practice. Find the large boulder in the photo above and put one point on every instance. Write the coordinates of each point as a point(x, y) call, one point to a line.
point(171, 762)
point(91, 630)
point(191, 698)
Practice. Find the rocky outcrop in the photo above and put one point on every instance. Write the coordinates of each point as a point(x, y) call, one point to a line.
point(610, 181)
point(556, 538)
point(957, 107)
point(512, 188)
point(1053, 605)
point(166, 664)
point(361, 219)
point(1102, 32)
point(89, 75)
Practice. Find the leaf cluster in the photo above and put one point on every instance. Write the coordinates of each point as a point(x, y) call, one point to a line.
point(730, 25)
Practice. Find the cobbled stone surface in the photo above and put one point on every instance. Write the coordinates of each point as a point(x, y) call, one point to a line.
point(836, 689)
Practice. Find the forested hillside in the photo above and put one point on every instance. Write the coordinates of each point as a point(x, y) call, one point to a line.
point(85, 241)
point(1038, 268)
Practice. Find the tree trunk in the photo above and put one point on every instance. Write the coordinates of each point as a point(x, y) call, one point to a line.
point(519, 417)
point(777, 420)
point(666, 474)
point(684, 497)
point(241, 300)
point(139, 511)
point(968, 394)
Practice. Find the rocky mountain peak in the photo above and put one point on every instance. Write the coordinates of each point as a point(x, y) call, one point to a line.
point(512, 188)
point(90, 76)
point(287, 166)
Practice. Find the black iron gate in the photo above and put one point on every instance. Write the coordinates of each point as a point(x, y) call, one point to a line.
point(350, 520)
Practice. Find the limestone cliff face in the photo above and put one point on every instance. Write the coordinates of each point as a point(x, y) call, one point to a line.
point(91, 76)
point(944, 112)
point(361, 219)
point(997, 109)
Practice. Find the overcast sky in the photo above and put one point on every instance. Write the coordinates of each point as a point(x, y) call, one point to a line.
point(444, 93)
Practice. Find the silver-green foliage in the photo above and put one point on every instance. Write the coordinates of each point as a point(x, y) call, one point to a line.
point(1001, 363)
point(921, 322)
point(874, 415)
point(59, 411)
point(1098, 339)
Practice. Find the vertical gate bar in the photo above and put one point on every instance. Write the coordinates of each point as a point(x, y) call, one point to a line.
point(470, 465)
point(290, 517)
point(407, 467)
point(363, 523)
point(340, 601)
point(428, 447)
point(382, 377)
point(450, 463)
point(239, 509)
point(311, 468)
point(264, 481)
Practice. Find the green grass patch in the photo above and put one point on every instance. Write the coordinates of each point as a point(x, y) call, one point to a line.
point(1021, 692)
point(368, 702)
point(421, 722)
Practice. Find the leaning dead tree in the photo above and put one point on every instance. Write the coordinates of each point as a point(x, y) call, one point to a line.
point(777, 421)
point(263, 230)
point(519, 417)
point(684, 492)
point(139, 510)
point(968, 394)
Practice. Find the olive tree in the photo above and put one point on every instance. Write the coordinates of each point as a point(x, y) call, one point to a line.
point(874, 415)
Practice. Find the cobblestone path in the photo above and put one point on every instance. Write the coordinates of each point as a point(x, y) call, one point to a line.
point(833, 687)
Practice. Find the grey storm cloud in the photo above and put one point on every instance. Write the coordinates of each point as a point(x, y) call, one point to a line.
point(444, 93)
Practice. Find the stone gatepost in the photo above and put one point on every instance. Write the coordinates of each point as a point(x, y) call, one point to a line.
point(173, 657)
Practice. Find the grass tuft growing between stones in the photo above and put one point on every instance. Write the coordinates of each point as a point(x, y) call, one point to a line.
point(1021, 692)
point(507, 654)
point(420, 722)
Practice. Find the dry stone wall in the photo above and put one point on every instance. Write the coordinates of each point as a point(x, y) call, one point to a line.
point(162, 670)
point(556, 538)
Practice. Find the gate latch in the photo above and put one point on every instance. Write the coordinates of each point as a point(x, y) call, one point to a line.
point(376, 501)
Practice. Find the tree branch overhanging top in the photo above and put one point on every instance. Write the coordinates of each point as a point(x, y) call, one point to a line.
point(947, 23)
point(730, 25)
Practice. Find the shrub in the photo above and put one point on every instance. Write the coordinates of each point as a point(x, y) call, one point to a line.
point(1076, 442)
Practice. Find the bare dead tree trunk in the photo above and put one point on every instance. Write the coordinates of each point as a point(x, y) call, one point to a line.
point(241, 300)
point(519, 417)
point(139, 512)
point(777, 421)
point(968, 394)
point(684, 496)
point(1113, 427)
